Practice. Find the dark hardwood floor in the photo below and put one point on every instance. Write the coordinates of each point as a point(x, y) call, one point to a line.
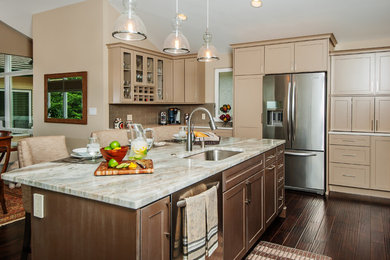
point(339, 226)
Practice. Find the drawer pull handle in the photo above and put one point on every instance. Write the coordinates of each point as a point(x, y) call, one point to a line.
point(348, 141)
point(270, 157)
point(350, 176)
point(280, 198)
point(280, 166)
point(167, 234)
point(350, 155)
point(271, 167)
point(280, 179)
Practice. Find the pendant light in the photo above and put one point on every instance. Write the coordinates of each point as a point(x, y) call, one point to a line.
point(129, 26)
point(207, 52)
point(176, 42)
point(256, 3)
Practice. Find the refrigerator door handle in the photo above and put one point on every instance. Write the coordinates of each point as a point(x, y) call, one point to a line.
point(293, 108)
point(288, 111)
point(300, 154)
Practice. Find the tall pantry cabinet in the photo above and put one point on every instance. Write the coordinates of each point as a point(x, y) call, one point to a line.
point(360, 122)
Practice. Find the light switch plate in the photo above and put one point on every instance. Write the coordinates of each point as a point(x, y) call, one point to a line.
point(39, 205)
point(92, 111)
point(129, 117)
point(203, 116)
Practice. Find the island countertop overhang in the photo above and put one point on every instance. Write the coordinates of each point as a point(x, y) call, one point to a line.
point(172, 173)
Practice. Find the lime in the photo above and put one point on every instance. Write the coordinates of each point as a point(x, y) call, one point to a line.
point(138, 156)
point(115, 144)
point(107, 148)
point(122, 165)
point(112, 163)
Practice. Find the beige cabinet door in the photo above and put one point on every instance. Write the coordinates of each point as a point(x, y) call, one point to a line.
point(380, 167)
point(353, 74)
point(382, 114)
point(249, 61)
point(341, 114)
point(382, 73)
point(363, 114)
point(193, 81)
point(178, 80)
point(248, 91)
point(279, 58)
point(167, 80)
point(311, 56)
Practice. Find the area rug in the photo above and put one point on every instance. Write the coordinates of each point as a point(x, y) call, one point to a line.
point(13, 200)
point(266, 250)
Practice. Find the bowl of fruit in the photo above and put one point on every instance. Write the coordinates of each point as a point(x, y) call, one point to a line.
point(114, 151)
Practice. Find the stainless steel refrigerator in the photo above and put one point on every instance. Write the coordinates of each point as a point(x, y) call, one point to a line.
point(294, 108)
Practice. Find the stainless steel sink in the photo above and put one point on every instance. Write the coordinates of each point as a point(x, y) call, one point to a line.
point(213, 155)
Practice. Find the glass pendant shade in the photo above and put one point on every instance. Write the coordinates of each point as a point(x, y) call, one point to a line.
point(129, 26)
point(207, 52)
point(176, 43)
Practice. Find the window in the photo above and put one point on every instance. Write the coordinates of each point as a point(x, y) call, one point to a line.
point(16, 84)
point(223, 90)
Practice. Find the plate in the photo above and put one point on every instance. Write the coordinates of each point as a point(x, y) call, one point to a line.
point(179, 138)
point(81, 151)
point(76, 155)
point(158, 144)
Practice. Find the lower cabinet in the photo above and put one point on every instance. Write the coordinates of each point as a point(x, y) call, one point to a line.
point(250, 203)
point(155, 230)
point(380, 168)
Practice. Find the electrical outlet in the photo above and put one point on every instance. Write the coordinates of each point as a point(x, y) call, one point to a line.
point(130, 117)
point(203, 116)
point(92, 111)
point(39, 205)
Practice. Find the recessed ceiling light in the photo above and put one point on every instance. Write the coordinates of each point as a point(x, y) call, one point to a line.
point(256, 3)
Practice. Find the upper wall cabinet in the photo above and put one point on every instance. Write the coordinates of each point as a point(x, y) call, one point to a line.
point(353, 74)
point(279, 58)
point(194, 81)
point(304, 56)
point(382, 73)
point(311, 56)
point(178, 80)
point(249, 61)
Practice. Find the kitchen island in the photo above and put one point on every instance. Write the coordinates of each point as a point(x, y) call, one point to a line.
point(87, 216)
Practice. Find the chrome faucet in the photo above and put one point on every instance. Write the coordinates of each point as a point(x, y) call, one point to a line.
point(190, 129)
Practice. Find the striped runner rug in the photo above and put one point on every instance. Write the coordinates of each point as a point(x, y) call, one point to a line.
point(266, 250)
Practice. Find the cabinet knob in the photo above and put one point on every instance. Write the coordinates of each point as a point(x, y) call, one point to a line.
point(167, 234)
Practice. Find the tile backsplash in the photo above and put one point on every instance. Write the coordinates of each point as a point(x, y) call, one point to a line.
point(149, 114)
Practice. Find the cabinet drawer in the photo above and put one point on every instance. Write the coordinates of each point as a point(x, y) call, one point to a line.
point(279, 151)
point(349, 154)
point(280, 165)
point(270, 156)
point(280, 179)
point(354, 140)
point(237, 174)
point(280, 197)
point(349, 175)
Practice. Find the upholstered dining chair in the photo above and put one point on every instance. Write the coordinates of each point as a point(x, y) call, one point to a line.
point(105, 137)
point(33, 150)
point(5, 150)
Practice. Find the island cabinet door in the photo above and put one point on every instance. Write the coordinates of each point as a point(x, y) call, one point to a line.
point(155, 227)
point(254, 208)
point(234, 222)
point(270, 192)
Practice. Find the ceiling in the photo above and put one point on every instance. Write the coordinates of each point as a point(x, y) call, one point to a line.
point(234, 21)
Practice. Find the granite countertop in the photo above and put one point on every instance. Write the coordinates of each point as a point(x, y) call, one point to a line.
point(172, 173)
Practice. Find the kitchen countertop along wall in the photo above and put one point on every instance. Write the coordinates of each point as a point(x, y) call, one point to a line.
point(149, 114)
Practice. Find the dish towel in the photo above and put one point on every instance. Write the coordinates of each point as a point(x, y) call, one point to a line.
point(211, 200)
point(179, 232)
point(194, 238)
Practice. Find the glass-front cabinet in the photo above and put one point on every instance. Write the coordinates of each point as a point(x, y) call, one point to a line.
point(138, 77)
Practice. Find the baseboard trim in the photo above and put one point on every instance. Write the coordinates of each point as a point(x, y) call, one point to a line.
point(371, 194)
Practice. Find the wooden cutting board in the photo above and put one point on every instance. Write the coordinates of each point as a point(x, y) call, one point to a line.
point(104, 170)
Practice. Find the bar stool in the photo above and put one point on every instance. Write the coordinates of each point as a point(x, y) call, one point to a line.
point(5, 150)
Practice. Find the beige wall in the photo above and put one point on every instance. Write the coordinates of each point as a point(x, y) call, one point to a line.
point(69, 39)
point(224, 62)
point(14, 42)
